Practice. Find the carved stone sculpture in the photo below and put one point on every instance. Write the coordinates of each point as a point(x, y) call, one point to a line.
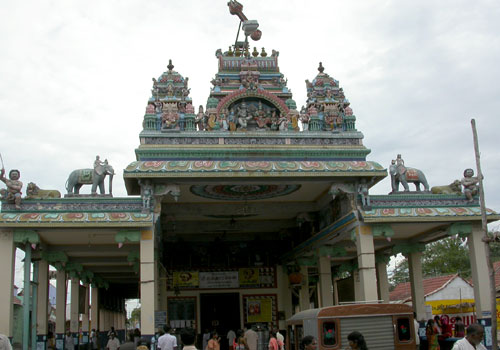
point(401, 174)
point(470, 184)
point(34, 192)
point(14, 187)
point(146, 195)
point(95, 177)
point(454, 188)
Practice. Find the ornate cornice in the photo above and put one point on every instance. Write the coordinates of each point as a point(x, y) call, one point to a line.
point(190, 168)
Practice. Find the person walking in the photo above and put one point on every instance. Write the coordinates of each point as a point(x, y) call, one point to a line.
point(167, 341)
point(357, 341)
point(472, 341)
point(308, 343)
point(188, 337)
point(206, 338)
point(459, 327)
point(93, 339)
point(68, 341)
point(240, 343)
point(432, 332)
point(129, 344)
point(113, 342)
point(251, 338)
point(230, 338)
point(416, 326)
point(274, 343)
point(214, 342)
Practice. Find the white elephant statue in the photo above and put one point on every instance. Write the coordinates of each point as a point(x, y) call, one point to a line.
point(95, 177)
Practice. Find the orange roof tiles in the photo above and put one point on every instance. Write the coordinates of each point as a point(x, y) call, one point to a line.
point(402, 292)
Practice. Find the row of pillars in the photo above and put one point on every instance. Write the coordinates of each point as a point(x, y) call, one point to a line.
point(370, 283)
point(371, 280)
point(36, 302)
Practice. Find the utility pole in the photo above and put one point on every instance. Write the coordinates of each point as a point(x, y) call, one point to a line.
point(487, 240)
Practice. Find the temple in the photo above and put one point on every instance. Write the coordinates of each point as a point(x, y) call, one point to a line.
point(248, 204)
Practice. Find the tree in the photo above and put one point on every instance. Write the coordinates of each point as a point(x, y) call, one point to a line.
point(447, 256)
point(135, 316)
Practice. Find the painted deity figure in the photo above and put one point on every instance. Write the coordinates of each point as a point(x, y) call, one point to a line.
point(14, 186)
point(283, 123)
point(169, 119)
point(400, 165)
point(470, 184)
point(243, 116)
point(260, 117)
point(146, 194)
point(98, 166)
point(224, 124)
point(231, 119)
point(200, 119)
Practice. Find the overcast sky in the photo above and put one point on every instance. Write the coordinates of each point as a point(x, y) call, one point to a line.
point(75, 76)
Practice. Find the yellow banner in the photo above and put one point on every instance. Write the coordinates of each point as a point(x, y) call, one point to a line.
point(456, 306)
point(249, 277)
point(451, 306)
point(259, 310)
point(186, 279)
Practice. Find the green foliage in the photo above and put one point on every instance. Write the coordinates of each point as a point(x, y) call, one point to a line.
point(135, 316)
point(447, 256)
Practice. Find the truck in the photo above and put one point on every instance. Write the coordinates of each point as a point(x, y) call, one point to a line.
point(384, 326)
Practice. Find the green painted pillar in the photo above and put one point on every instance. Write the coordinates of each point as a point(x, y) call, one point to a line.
point(34, 303)
point(27, 296)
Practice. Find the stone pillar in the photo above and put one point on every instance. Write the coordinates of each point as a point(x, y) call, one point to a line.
point(85, 317)
point(335, 292)
point(74, 325)
point(7, 258)
point(27, 297)
point(366, 264)
point(42, 325)
point(284, 296)
point(60, 308)
point(325, 281)
point(417, 284)
point(479, 271)
point(94, 308)
point(304, 300)
point(357, 285)
point(382, 282)
point(147, 276)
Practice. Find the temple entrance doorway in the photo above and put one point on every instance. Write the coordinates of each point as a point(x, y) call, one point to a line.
point(221, 312)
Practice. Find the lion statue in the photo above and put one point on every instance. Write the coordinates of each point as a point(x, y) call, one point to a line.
point(34, 192)
point(454, 188)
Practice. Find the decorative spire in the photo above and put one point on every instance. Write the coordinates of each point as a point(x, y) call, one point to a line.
point(321, 68)
point(170, 65)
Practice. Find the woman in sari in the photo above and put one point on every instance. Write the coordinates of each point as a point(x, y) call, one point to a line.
point(432, 332)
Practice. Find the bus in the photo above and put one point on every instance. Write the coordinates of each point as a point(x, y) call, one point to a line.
point(384, 326)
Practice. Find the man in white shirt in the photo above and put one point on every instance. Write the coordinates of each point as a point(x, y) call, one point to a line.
point(113, 343)
point(280, 338)
point(472, 341)
point(230, 338)
point(416, 326)
point(251, 338)
point(167, 341)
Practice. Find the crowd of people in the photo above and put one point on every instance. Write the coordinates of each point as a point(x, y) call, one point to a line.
point(439, 329)
point(436, 329)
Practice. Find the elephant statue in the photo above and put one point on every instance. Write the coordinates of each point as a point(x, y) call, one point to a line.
point(407, 175)
point(95, 177)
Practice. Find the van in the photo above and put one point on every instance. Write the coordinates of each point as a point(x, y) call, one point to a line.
point(384, 326)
